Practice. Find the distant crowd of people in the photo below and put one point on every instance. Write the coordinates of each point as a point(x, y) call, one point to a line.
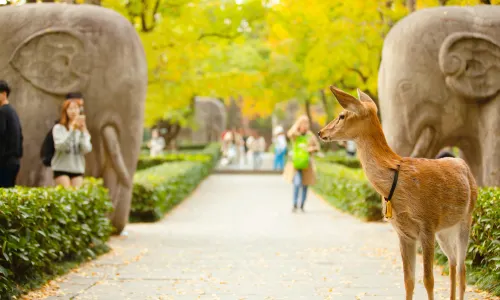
point(63, 149)
point(239, 148)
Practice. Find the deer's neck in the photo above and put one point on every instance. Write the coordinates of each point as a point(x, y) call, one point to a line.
point(378, 160)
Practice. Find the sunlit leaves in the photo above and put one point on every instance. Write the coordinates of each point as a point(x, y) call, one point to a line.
point(264, 53)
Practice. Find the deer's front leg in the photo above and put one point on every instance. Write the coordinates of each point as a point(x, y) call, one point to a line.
point(408, 254)
point(428, 242)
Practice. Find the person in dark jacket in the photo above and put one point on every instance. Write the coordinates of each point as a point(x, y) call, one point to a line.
point(11, 139)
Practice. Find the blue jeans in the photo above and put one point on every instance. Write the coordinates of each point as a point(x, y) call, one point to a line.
point(279, 159)
point(297, 184)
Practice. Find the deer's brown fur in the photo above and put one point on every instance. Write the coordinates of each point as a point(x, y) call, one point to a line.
point(433, 197)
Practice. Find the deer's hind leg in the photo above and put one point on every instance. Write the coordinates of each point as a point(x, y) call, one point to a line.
point(447, 240)
point(463, 242)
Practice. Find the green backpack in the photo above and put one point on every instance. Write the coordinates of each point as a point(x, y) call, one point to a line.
point(300, 153)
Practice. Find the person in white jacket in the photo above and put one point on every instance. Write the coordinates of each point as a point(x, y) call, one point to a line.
point(257, 145)
point(71, 143)
point(156, 144)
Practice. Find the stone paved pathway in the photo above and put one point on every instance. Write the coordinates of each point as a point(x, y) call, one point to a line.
point(236, 238)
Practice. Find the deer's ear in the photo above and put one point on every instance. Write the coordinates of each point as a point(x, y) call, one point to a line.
point(347, 101)
point(363, 97)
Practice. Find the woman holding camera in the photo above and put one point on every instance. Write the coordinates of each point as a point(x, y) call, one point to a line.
point(71, 143)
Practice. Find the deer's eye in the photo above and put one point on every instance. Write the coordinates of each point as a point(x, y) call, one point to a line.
point(341, 117)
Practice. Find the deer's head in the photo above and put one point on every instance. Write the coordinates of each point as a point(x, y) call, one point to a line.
point(357, 118)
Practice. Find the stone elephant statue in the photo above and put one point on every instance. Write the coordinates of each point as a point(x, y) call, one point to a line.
point(439, 83)
point(211, 120)
point(49, 50)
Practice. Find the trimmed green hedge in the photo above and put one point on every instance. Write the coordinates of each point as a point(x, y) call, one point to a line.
point(43, 228)
point(159, 188)
point(483, 256)
point(348, 190)
point(209, 154)
point(340, 157)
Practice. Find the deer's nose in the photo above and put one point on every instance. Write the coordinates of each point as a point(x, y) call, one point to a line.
point(319, 133)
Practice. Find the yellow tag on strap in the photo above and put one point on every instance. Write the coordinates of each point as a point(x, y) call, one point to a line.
point(388, 209)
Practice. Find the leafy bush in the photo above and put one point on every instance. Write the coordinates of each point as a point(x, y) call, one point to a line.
point(197, 147)
point(208, 154)
point(41, 228)
point(483, 256)
point(348, 190)
point(158, 189)
point(146, 162)
point(340, 157)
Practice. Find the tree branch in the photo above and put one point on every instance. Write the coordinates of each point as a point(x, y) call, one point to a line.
point(144, 25)
point(363, 77)
point(219, 35)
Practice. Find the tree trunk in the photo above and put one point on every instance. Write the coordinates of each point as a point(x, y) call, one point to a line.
point(442, 2)
point(410, 4)
point(308, 113)
point(173, 130)
point(486, 2)
point(309, 116)
point(326, 107)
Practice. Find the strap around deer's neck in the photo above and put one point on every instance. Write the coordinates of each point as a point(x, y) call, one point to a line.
point(394, 184)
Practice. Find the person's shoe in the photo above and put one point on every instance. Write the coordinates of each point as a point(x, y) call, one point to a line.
point(294, 209)
point(302, 208)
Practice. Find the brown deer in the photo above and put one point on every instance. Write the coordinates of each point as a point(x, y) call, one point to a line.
point(428, 197)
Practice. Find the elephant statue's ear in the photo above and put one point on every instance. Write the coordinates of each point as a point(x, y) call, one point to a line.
point(471, 64)
point(53, 60)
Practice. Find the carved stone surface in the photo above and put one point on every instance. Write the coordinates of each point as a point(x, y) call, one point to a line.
point(49, 50)
point(438, 86)
point(211, 121)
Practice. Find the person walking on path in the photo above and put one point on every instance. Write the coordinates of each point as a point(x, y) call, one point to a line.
point(242, 147)
point(257, 145)
point(71, 143)
point(300, 170)
point(280, 149)
point(156, 144)
point(11, 139)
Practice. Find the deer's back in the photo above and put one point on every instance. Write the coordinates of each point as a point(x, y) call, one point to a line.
point(434, 192)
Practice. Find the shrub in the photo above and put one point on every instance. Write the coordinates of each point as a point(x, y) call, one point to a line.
point(348, 190)
point(158, 189)
point(208, 154)
point(483, 255)
point(340, 157)
point(198, 147)
point(41, 228)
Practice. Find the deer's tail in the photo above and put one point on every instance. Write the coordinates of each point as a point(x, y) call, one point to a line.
point(473, 190)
